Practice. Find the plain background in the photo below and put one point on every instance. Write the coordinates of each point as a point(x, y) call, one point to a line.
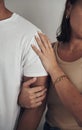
point(45, 14)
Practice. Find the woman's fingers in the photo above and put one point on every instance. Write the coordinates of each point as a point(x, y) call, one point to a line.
point(47, 55)
point(38, 52)
point(43, 40)
point(48, 42)
point(43, 43)
point(39, 42)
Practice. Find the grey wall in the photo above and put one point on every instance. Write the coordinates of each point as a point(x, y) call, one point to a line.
point(46, 14)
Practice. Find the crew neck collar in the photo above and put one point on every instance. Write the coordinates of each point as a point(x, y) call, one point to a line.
point(8, 19)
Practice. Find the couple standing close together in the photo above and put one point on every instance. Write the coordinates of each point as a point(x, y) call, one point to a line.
point(21, 62)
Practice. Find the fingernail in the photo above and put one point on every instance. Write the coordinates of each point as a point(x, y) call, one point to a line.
point(36, 37)
point(32, 45)
point(39, 32)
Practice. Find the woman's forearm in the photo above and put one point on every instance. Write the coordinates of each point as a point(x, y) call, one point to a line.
point(68, 93)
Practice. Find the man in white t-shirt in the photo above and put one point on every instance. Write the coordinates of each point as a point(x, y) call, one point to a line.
point(18, 62)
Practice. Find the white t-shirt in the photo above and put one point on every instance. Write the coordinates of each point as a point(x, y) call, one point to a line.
point(16, 59)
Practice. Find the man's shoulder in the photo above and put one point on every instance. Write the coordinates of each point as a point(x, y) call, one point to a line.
point(26, 24)
point(26, 28)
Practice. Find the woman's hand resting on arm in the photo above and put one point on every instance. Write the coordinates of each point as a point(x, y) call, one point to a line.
point(46, 52)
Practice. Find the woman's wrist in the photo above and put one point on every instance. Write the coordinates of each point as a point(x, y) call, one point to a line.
point(56, 72)
point(52, 68)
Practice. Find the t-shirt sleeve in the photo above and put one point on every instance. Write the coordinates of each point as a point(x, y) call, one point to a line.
point(32, 66)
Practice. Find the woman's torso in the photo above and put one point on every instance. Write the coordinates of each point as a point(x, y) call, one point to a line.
point(57, 114)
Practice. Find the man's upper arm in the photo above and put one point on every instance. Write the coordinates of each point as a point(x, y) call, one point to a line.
point(42, 80)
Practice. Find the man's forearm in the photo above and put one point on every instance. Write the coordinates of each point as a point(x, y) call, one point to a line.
point(30, 118)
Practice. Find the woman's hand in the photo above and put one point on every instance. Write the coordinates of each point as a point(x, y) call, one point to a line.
point(46, 52)
point(31, 97)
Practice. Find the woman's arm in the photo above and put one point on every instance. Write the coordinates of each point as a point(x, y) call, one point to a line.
point(66, 90)
point(68, 93)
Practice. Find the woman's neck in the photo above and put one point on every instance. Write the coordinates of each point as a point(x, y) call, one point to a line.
point(75, 44)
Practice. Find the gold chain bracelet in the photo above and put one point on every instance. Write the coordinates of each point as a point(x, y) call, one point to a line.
point(60, 78)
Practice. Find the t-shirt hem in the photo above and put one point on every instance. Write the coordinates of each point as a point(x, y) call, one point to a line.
point(35, 75)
